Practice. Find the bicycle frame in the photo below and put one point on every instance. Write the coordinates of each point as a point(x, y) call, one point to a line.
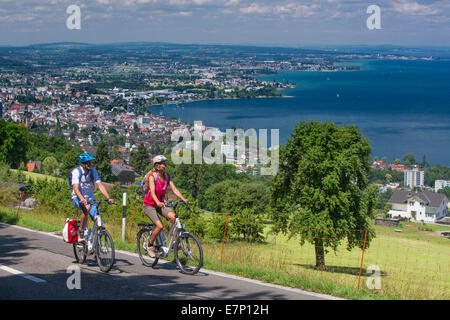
point(95, 228)
point(174, 232)
point(176, 229)
point(181, 242)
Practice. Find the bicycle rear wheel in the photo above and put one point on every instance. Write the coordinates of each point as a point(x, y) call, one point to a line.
point(143, 238)
point(188, 253)
point(80, 252)
point(105, 252)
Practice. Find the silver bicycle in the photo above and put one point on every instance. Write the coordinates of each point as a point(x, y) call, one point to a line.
point(100, 244)
point(186, 248)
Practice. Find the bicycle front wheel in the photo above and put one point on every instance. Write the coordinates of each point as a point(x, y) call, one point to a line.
point(105, 253)
point(188, 253)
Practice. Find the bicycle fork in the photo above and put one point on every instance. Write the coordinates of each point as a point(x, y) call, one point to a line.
point(183, 248)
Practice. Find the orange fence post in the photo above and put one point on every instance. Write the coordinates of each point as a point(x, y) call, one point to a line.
point(18, 208)
point(223, 240)
point(134, 211)
point(362, 257)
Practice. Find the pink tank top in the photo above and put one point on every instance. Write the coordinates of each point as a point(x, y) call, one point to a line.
point(160, 190)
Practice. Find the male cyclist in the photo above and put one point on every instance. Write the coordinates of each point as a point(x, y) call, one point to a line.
point(84, 180)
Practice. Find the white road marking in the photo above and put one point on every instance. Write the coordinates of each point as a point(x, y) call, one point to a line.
point(21, 274)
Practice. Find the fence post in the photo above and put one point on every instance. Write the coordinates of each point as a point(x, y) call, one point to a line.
point(223, 240)
point(124, 215)
point(362, 257)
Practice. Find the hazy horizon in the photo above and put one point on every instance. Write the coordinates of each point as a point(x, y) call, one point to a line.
point(324, 46)
point(287, 23)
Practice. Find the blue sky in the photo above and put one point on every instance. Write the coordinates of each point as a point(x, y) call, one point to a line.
point(276, 22)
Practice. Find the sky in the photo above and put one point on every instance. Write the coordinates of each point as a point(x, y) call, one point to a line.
point(248, 22)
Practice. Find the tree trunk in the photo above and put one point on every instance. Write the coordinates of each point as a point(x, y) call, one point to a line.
point(320, 254)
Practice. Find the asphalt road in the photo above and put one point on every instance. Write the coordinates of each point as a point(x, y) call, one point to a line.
point(34, 265)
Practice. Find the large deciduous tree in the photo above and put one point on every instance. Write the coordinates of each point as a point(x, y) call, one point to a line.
point(321, 192)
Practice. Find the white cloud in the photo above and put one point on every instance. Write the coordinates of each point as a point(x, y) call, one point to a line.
point(255, 8)
point(413, 8)
point(290, 8)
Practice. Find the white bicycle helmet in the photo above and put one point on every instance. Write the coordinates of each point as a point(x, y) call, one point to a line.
point(159, 159)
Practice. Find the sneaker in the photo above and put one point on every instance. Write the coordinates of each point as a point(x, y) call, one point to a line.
point(151, 251)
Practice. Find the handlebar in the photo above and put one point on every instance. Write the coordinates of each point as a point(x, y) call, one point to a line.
point(99, 202)
point(174, 204)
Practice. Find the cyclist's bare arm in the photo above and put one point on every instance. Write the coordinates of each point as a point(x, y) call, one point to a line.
point(103, 190)
point(176, 192)
point(76, 189)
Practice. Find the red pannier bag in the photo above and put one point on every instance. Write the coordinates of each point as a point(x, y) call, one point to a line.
point(70, 231)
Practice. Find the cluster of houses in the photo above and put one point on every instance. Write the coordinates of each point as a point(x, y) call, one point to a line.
point(415, 200)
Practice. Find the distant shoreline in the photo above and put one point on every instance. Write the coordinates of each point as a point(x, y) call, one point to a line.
point(217, 99)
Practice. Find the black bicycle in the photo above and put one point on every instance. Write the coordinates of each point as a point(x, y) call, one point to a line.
point(100, 244)
point(187, 250)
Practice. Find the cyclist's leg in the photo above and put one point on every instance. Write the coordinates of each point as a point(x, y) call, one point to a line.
point(158, 227)
point(151, 212)
point(84, 218)
point(169, 215)
point(94, 212)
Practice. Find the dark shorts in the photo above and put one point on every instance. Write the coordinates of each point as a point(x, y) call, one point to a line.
point(152, 212)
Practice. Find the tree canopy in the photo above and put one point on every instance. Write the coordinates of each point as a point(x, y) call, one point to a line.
point(140, 160)
point(103, 163)
point(14, 143)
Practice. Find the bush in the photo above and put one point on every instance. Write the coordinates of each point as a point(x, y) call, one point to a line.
point(190, 215)
point(52, 194)
point(233, 197)
point(247, 226)
point(216, 226)
point(8, 196)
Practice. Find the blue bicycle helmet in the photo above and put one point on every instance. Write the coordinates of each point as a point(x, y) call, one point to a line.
point(84, 157)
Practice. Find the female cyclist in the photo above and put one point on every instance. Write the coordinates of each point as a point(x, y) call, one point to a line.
point(158, 182)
